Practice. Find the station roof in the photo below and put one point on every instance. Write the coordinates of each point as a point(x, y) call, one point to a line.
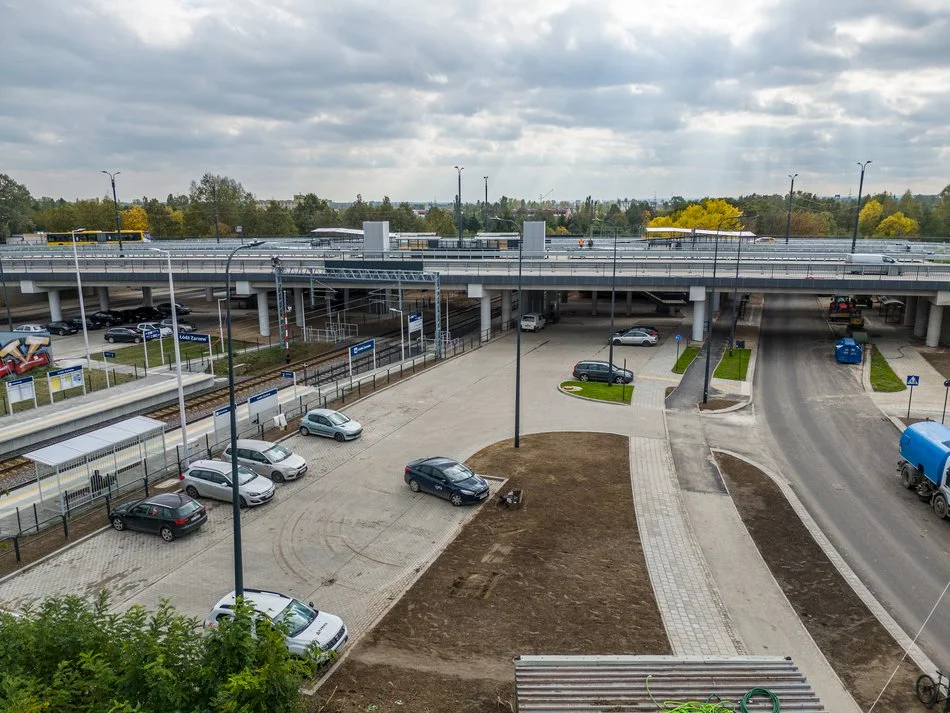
point(94, 441)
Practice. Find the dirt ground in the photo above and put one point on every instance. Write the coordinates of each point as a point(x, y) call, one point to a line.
point(939, 359)
point(562, 574)
point(856, 645)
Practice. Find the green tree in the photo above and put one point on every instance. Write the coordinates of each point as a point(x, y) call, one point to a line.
point(356, 214)
point(910, 206)
point(16, 206)
point(216, 194)
point(405, 220)
point(312, 212)
point(869, 217)
point(440, 222)
point(275, 220)
point(896, 225)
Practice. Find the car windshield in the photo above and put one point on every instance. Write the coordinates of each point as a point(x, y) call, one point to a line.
point(337, 418)
point(275, 454)
point(457, 472)
point(187, 508)
point(297, 616)
point(246, 475)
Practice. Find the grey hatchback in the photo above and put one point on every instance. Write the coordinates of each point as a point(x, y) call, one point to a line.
point(590, 370)
point(330, 423)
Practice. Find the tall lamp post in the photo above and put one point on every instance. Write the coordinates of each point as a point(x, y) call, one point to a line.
point(788, 220)
point(735, 289)
point(181, 388)
point(115, 204)
point(485, 211)
point(235, 491)
point(709, 319)
point(857, 209)
point(402, 341)
point(6, 302)
point(517, 333)
point(460, 169)
point(82, 304)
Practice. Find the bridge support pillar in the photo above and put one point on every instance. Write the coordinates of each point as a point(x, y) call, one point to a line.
point(910, 311)
point(346, 298)
point(209, 294)
point(715, 301)
point(103, 293)
point(629, 303)
point(147, 296)
point(485, 326)
point(298, 307)
point(698, 297)
point(920, 317)
point(505, 308)
point(934, 321)
point(388, 295)
point(55, 311)
point(263, 315)
point(593, 304)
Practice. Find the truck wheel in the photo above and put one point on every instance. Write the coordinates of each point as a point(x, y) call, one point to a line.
point(908, 476)
point(940, 506)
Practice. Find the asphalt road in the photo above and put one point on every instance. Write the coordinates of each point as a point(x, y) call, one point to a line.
point(840, 455)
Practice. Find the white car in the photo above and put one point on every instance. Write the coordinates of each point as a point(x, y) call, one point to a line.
point(638, 337)
point(270, 459)
point(30, 328)
point(212, 479)
point(532, 322)
point(164, 331)
point(306, 626)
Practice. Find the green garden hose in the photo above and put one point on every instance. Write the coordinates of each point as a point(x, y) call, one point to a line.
point(759, 692)
point(713, 702)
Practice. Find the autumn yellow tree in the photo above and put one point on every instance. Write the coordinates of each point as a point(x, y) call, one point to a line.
point(709, 214)
point(135, 218)
point(869, 217)
point(897, 224)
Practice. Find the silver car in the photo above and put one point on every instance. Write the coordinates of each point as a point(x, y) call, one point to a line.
point(270, 459)
point(330, 423)
point(212, 479)
point(638, 337)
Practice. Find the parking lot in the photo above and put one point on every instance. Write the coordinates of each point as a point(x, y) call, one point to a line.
point(350, 536)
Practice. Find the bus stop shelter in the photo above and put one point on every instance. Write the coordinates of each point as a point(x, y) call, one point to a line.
point(74, 472)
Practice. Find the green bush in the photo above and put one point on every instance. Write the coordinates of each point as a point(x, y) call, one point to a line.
point(685, 359)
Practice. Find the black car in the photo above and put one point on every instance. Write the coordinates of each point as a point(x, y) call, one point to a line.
point(148, 314)
point(125, 316)
point(123, 334)
point(446, 478)
point(170, 515)
point(91, 323)
point(61, 328)
point(601, 371)
point(166, 309)
point(108, 317)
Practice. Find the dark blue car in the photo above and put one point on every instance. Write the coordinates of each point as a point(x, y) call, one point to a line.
point(446, 478)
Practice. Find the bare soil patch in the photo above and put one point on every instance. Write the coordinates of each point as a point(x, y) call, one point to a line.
point(562, 574)
point(856, 645)
point(716, 404)
point(939, 359)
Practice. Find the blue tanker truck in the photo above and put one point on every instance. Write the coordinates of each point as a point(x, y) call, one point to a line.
point(925, 456)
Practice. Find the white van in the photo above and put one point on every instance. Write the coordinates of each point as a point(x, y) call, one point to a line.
point(532, 322)
point(871, 264)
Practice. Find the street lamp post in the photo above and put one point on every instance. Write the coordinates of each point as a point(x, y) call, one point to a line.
point(857, 209)
point(115, 204)
point(221, 322)
point(402, 342)
point(214, 196)
point(788, 220)
point(82, 304)
point(735, 291)
point(6, 302)
point(181, 388)
point(485, 211)
point(517, 332)
point(709, 308)
point(235, 491)
point(460, 169)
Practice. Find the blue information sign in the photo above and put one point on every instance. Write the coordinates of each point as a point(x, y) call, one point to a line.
point(194, 337)
point(679, 337)
point(66, 370)
point(258, 397)
point(17, 382)
point(913, 380)
point(362, 347)
point(221, 411)
point(151, 334)
point(415, 321)
point(109, 355)
point(287, 374)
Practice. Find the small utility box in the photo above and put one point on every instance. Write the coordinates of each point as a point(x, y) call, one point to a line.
point(848, 351)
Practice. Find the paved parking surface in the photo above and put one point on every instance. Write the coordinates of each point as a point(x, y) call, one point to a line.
point(350, 536)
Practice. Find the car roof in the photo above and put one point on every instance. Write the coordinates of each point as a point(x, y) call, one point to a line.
point(173, 500)
point(436, 460)
point(264, 601)
point(221, 466)
point(253, 443)
point(323, 411)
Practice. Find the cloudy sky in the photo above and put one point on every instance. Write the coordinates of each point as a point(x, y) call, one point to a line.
point(612, 98)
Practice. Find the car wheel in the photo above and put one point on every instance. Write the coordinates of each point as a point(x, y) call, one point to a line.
point(118, 523)
point(191, 491)
point(618, 380)
point(456, 499)
point(138, 340)
point(414, 486)
point(584, 377)
point(940, 506)
point(304, 431)
point(242, 502)
point(338, 437)
point(617, 342)
point(166, 533)
point(111, 340)
point(277, 476)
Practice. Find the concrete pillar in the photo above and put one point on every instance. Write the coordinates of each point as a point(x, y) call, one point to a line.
point(920, 317)
point(263, 316)
point(593, 303)
point(209, 294)
point(486, 316)
point(298, 306)
point(698, 297)
point(55, 312)
point(147, 296)
point(933, 325)
point(505, 306)
point(910, 311)
point(629, 303)
point(346, 298)
point(103, 293)
point(389, 299)
point(715, 301)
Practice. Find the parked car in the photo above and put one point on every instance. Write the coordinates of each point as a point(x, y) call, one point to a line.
point(591, 370)
point(170, 515)
point(212, 479)
point(90, 323)
point(330, 423)
point(166, 309)
point(183, 326)
point(123, 334)
point(107, 317)
point(447, 478)
point(644, 327)
point(532, 322)
point(30, 329)
point(148, 314)
point(61, 328)
point(149, 326)
point(635, 336)
point(270, 459)
point(126, 316)
point(307, 627)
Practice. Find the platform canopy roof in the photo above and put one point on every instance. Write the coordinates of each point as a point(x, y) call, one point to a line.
point(95, 441)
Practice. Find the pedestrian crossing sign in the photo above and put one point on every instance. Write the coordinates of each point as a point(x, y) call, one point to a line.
point(913, 380)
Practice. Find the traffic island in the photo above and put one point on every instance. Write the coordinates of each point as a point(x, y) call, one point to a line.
point(595, 391)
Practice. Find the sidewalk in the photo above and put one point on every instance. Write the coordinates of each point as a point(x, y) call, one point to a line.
point(905, 360)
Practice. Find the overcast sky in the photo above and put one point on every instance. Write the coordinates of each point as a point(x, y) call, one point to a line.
point(598, 97)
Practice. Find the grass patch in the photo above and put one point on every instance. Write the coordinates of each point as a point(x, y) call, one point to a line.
point(95, 381)
point(883, 377)
point(134, 354)
point(733, 366)
point(262, 360)
point(619, 393)
point(685, 359)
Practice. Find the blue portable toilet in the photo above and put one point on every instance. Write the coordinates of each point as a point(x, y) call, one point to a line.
point(848, 351)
